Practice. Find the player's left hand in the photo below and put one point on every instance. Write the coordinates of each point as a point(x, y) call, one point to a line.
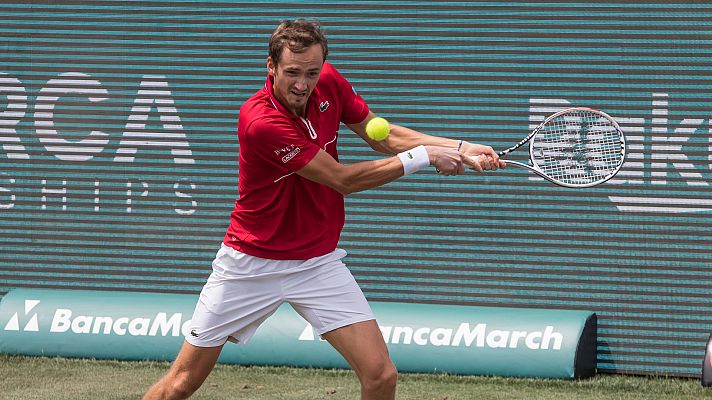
point(483, 158)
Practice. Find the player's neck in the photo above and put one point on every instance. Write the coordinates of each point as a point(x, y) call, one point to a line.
point(298, 111)
point(301, 112)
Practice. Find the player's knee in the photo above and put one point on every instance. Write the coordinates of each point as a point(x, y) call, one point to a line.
point(390, 375)
point(381, 379)
point(182, 387)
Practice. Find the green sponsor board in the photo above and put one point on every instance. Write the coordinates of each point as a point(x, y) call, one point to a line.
point(420, 337)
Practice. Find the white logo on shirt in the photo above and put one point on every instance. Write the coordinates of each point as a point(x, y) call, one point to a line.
point(291, 155)
point(284, 149)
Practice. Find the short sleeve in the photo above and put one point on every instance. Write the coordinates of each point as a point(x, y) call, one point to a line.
point(277, 142)
point(353, 107)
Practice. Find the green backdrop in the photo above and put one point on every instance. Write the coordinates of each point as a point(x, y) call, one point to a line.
point(118, 153)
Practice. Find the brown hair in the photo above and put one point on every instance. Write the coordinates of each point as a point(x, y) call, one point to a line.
point(297, 35)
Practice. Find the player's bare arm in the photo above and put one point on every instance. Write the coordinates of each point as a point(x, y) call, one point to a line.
point(365, 175)
point(402, 138)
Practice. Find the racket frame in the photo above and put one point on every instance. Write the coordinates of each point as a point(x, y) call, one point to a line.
point(535, 169)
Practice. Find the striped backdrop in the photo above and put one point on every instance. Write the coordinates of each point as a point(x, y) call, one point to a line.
point(118, 153)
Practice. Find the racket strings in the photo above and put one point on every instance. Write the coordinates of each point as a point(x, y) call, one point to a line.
point(578, 148)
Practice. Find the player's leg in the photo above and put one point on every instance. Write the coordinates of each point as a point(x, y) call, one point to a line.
point(362, 345)
point(187, 373)
point(328, 296)
point(231, 306)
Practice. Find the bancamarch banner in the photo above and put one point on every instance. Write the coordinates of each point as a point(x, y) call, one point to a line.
point(420, 337)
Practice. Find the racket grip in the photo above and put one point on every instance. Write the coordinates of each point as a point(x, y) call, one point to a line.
point(475, 158)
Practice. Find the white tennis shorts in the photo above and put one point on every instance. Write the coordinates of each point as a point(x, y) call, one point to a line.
point(243, 291)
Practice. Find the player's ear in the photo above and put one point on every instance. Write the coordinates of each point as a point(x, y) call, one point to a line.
point(271, 67)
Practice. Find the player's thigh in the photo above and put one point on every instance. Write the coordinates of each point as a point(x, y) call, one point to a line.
point(362, 345)
point(327, 296)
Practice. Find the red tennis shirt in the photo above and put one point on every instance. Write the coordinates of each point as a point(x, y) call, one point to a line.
point(279, 214)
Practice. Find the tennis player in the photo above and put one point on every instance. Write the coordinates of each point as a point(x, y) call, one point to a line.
point(281, 244)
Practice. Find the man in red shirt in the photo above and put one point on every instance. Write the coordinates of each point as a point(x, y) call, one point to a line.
point(281, 245)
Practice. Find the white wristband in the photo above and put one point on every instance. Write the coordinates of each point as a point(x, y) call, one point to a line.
point(414, 159)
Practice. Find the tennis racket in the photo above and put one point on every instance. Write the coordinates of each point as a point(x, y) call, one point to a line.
point(575, 148)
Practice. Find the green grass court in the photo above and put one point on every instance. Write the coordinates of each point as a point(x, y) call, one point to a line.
point(28, 378)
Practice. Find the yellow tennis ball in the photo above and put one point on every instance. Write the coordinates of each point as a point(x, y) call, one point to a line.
point(378, 129)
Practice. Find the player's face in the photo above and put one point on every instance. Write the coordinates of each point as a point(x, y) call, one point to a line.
point(296, 76)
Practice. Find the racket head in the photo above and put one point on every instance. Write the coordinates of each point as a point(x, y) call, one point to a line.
point(578, 147)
